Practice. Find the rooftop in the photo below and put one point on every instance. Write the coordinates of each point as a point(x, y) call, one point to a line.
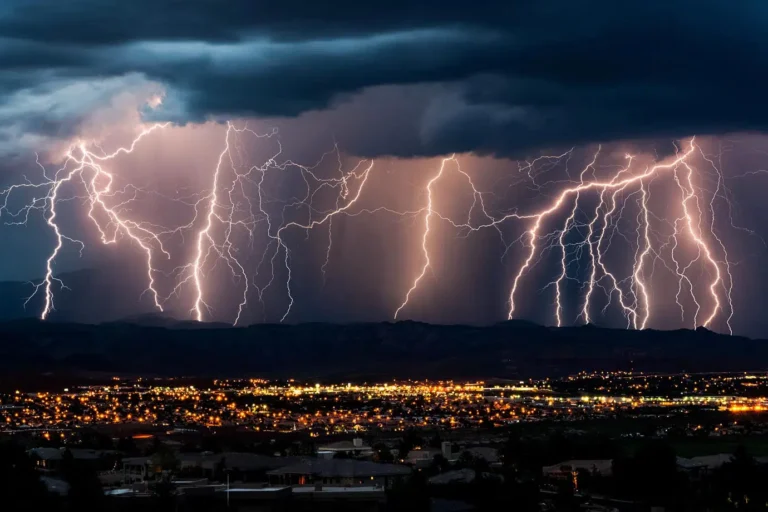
point(77, 453)
point(343, 446)
point(337, 489)
point(465, 475)
point(346, 468)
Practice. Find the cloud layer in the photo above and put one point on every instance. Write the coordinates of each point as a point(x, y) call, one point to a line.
point(490, 77)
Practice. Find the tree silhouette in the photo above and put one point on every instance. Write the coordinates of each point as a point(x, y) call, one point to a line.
point(740, 483)
point(410, 440)
point(19, 481)
point(382, 453)
point(165, 459)
point(651, 475)
point(439, 464)
point(128, 446)
point(85, 492)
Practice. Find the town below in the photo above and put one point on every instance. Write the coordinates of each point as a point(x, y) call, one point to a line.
point(594, 439)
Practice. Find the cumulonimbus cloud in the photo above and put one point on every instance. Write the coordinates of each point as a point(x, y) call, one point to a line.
point(503, 79)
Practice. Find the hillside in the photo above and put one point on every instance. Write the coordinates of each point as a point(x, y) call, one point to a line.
point(513, 349)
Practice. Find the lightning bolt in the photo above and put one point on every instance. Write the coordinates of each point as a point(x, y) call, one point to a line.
point(430, 212)
point(616, 186)
point(612, 195)
point(221, 210)
point(86, 165)
point(427, 220)
point(227, 210)
point(204, 238)
point(239, 212)
point(640, 260)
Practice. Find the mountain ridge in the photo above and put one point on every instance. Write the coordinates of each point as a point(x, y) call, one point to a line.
point(408, 349)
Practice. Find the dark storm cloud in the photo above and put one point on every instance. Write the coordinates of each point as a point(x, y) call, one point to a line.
point(234, 20)
point(506, 76)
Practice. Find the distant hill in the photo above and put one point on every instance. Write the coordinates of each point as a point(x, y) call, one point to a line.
point(166, 321)
point(153, 345)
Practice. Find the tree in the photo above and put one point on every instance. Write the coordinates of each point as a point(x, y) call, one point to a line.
point(304, 447)
point(210, 444)
point(127, 445)
point(565, 500)
point(465, 460)
point(164, 492)
point(651, 475)
point(154, 447)
point(189, 447)
point(85, 491)
point(435, 441)
point(95, 440)
point(165, 459)
point(19, 481)
point(410, 440)
point(219, 470)
point(440, 464)
point(740, 483)
point(511, 451)
point(409, 494)
point(382, 453)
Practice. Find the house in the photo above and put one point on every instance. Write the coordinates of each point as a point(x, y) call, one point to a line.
point(136, 469)
point(239, 466)
point(338, 472)
point(488, 454)
point(246, 467)
point(711, 462)
point(49, 459)
point(46, 458)
point(354, 448)
point(463, 476)
point(315, 498)
point(701, 465)
point(423, 457)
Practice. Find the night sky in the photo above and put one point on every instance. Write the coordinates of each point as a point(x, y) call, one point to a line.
point(401, 85)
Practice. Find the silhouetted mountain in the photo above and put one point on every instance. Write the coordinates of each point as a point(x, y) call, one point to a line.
point(165, 320)
point(374, 350)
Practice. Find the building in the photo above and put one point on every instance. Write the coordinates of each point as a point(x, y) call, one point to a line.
point(136, 469)
point(699, 466)
point(46, 458)
point(354, 448)
point(423, 457)
point(242, 497)
point(246, 467)
point(240, 466)
point(458, 476)
point(283, 498)
point(50, 459)
point(488, 454)
point(346, 472)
